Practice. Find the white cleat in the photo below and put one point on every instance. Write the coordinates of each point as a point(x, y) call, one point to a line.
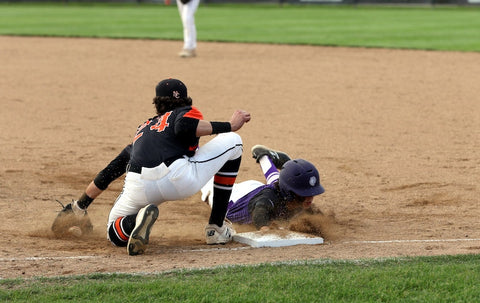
point(219, 235)
point(187, 53)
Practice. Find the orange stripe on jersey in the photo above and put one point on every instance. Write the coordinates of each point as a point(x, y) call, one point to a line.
point(136, 137)
point(224, 180)
point(194, 113)
point(118, 229)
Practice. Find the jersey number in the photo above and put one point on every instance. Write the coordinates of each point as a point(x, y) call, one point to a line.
point(159, 126)
point(162, 123)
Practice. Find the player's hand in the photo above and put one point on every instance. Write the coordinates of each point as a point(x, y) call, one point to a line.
point(239, 118)
point(264, 228)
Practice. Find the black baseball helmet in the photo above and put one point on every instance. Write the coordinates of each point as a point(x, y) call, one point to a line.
point(300, 177)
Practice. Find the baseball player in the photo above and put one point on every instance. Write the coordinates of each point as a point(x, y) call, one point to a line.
point(284, 194)
point(249, 202)
point(187, 10)
point(166, 164)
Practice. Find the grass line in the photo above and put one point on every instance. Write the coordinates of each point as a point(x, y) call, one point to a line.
point(435, 28)
point(419, 279)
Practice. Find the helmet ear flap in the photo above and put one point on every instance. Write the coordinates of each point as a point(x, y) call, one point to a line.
point(290, 196)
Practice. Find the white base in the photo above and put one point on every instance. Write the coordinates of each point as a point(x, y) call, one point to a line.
point(276, 238)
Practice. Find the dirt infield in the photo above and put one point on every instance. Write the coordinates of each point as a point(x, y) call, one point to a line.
point(395, 135)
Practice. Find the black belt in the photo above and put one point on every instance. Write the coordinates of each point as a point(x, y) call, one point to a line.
point(134, 168)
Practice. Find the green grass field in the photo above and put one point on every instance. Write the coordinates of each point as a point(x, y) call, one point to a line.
point(435, 28)
point(424, 279)
point(421, 279)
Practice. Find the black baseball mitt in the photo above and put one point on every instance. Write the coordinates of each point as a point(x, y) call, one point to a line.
point(71, 216)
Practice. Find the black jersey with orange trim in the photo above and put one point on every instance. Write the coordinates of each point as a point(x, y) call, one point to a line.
point(167, 137)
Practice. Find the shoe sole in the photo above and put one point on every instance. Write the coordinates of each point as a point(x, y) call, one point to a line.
point(282, 157)
point(140, 234)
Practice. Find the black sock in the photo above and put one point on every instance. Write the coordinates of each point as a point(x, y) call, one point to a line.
point(120, 230)
point(222, 188)
point(84, 201)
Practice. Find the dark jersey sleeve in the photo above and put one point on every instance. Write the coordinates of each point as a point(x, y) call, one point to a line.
point(187, 123)
point(262, 207)
point(186, 129)
point(114, 169)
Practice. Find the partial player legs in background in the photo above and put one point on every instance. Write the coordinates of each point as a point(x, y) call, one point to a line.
point(187, 14)
point(186, 53)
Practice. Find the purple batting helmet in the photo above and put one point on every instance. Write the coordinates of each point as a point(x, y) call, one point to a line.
point(300, 177)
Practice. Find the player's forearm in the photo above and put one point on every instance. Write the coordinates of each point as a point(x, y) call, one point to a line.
point(113, 170)
point(93, 191)
point(205, 128)
point(239, 118)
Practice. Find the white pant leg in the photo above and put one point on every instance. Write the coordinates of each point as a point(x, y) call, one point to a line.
point(182, 179)
point(238, 190)
point(187, 14)
point(241, 189)
point(131, 199)
point(210, 157)
point(189, 178)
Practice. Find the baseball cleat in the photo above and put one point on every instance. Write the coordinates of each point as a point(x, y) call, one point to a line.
point(278, 158)
point(187, 53)
point(219, 235)
point(138, 240)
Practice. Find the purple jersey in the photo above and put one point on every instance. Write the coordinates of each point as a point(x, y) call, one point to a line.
point(238, 212)
point(260, 206)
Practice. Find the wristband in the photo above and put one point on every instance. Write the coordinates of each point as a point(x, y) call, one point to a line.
point(221, 127)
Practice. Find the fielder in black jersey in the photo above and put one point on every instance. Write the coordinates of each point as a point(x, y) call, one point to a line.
point(165, 138)
point(165, 163)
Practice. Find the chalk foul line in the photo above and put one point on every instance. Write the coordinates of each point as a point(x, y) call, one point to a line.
point(410, 241)
point(242, 248)
point(45, 258)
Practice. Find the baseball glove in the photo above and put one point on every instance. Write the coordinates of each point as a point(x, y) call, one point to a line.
point(71, 216)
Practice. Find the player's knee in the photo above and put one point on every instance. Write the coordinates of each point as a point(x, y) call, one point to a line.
point(231, 138)
point(234, 141)
point(236, 138)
